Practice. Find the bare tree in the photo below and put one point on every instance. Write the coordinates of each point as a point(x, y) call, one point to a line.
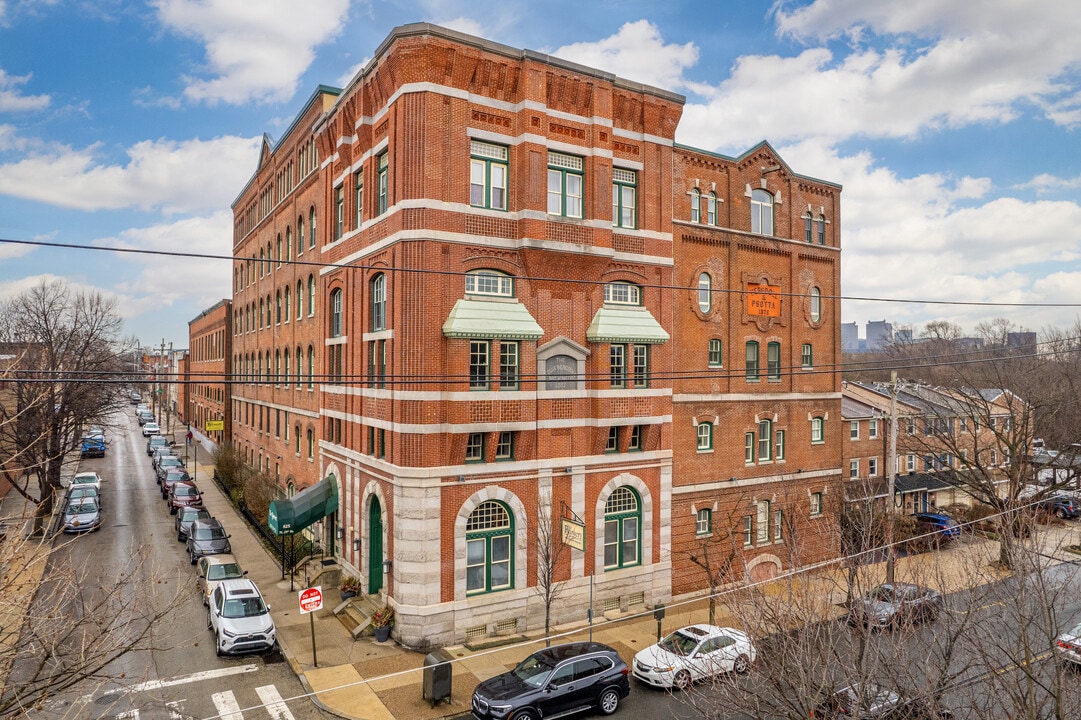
point(550, 552)
point(67, 373)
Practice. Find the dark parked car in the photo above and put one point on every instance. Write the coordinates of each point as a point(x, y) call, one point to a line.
point(207, 537)
point(92, 446)
point(172, 477)
point(184, 494)
point(185, 517)
point(869, 701)
point(888, 605)
point(167, 463)
point(556, 681)
point(1060, 506)
point(154, 442)
point(944, 526)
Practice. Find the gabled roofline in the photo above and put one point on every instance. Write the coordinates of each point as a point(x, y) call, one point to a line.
point(753, 149)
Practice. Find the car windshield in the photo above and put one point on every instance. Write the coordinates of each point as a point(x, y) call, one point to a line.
point(881, 594)
point(679, 644)
point(84, 492)
point(185, 491)
point(191, 515)
point(82, 508)
point(223, 571)
point(243, 607)
point(209, 534)
point(1075, 631)
point(533, 671)
point(83, 480)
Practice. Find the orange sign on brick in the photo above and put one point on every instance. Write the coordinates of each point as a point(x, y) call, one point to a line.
point(764, 300)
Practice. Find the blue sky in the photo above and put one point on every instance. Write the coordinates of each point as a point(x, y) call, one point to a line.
point(954, 128)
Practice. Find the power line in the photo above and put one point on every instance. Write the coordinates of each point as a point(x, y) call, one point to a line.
point(462, 273)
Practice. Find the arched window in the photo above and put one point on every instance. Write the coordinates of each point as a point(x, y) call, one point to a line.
point(489, 282)
point(262, 262)
point(808, 227)
point(489, 548)
point(622, 522)
point(711, 209)
point(288, 305)
point(266, 377)
point(773, 361)
point(816, 304)
point(279, 250)
point(821, 229)
point(300, 299)
point(260, 312)
point(818, 430)
point(752, 360)
point(311, 367)
point(259, 367)
point(761, 212)
point(300, 235)
point(378, 293)
point(278, 307)
point(705, 294)
point(622, 293)
point(311, 227)
point(311, 296)
point(269, 310)
point(277, 367)
point(336, 313)
point(268, 258)
point(289, 244)
point(300, 367)
point(696, 205)
point(285, 370)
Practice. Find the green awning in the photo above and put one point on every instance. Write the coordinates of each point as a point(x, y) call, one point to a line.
point(491, 319)
point(629, 324)
point(291, 515)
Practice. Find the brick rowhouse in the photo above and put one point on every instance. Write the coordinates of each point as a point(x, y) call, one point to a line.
point(533, 305)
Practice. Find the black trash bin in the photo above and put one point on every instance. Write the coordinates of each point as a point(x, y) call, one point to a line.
point(437, 677)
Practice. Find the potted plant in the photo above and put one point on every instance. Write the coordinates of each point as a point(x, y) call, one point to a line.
point(350, 587)
point(382, 622)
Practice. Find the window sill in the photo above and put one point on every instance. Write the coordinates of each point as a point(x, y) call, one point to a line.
point(705, 451)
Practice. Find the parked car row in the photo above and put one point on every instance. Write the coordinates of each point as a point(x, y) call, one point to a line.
point(82, 504)
point(237, 615)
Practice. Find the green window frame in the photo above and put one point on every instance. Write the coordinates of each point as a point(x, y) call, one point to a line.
point(382, 182)
point(474, 448)
point(748, 530)
point(696, 205)
point(488, 172)
point(566, 183)
point(816, 304)
point(716, 355)
point(640, 361)
point(703, 522)
point(509, 369)
point(479, 364)
point(311, 295)
point(611, 444)
point(751, 355)
point(300, 235)
point(818, 430)
point(504, 447)
point(816, 504)
point(624, 198)
point(339, 212)
point(336, 313)
point(806, 356)
point(704, 436)
point(622, 529)
point(748, 448)
point(635, 441)
point(311, 227)
point(489, 541)
point(773, 360)
point(808, 228)
point(377, 291)
point(778, 453)
point(711, 209)
point(763, 521)
point(821, 229)
point(617, 366)
point(761, 212)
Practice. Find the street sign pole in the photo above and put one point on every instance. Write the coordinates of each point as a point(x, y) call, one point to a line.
point(311, 599)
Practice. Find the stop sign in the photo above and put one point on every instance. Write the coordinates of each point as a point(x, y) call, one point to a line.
point(311, 600)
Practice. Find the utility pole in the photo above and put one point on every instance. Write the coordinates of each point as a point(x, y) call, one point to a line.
point(891, 474)
point(161, 382)
point(169, 391)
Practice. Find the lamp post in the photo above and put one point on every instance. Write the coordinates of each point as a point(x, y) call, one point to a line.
point(891, 474)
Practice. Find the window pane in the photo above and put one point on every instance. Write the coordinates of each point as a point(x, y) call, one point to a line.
point(574, 196)
point(476, 183)
point(499, 187)
point(611, 540)
point(555, 192)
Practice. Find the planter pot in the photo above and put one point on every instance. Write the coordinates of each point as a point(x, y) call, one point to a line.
point(382, 634)
point(346, 594)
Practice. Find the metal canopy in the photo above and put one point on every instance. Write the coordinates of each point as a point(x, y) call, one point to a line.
point(291, 515)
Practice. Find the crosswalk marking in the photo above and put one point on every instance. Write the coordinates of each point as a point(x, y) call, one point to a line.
point(228, 708)
point(272, 699)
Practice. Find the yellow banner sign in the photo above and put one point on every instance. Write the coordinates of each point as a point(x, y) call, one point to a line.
point(215, 425)
point(574, 534)
point(764, 300)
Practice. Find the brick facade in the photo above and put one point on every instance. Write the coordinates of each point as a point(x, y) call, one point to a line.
point(208, 392)
point(489, 360)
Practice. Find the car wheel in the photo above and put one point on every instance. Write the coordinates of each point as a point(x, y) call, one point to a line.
point(192, 556)
point(741, 665)
point(209, 625)
point(682, 680)
point(180, 537)
point(609, 701)
point(217, 647)
point(522, 715)
point(172, 511)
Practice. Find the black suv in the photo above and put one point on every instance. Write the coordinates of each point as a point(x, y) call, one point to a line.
point(556, 681)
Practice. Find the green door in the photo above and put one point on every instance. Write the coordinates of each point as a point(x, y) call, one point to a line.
point(375, 547)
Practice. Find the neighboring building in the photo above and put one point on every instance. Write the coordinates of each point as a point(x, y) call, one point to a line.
point(498, 343)
point(209, 371)
point(1023, 341)
point(277, 342)
point(879, 335)
point(850, 337)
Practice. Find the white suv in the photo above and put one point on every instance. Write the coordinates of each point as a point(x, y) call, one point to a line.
point(239, 618)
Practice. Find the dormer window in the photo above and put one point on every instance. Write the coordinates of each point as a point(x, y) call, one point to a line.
point(489, 282)
point(621, 293)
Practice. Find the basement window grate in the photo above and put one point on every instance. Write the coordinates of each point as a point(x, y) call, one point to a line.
point(506, 626)
point(638, 598)
point(477, 631)
point(611, 604)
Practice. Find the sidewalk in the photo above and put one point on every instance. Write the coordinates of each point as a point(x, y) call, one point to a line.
point(365, 680)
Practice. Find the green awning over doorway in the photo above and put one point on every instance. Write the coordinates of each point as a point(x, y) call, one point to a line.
point(291, 515)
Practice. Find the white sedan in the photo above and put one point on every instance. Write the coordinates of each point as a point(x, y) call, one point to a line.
point(693, 653)
point(86, 479)
point(151, 428)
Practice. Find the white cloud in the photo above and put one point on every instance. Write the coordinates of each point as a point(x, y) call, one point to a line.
point(1047, 183)
point(162, 280)
point(256, 51)
point(173, 176)
point(13, 288)
point(11, 97)
point(465, 25)
point(637, 52)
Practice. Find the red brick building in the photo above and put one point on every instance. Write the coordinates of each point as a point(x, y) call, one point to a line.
point(534, 305)
point(208, 392)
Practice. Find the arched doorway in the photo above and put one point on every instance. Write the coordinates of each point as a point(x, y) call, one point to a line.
point(375, 546)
